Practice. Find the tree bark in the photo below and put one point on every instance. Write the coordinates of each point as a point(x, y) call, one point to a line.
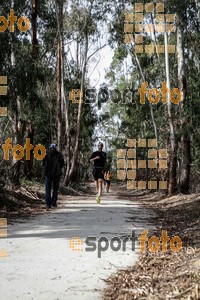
point(59, 16)
point(184, 182)
point(79, 117)
point(151, 108)
point(28, 164)
point(173, 153)
point(34, 4)
point(18, 126)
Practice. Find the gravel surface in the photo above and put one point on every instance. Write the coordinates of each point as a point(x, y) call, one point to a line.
point(40, 264)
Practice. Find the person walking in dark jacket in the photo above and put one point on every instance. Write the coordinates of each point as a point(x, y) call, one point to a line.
point(53, 163)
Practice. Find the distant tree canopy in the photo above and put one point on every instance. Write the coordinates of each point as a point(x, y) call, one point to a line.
point(57, 55)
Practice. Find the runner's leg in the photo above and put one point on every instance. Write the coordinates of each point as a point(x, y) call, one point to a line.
point(100, 181)
point(107, 186)
point(97, 186)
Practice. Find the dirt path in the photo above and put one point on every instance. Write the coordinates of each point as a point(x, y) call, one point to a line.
point(41, 264)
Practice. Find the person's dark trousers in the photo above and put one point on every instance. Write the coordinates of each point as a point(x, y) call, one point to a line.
point(48, 184)
point(56, 181)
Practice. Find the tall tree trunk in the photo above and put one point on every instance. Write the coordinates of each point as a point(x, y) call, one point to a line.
point(50, 111)
point(185, 137)
point(173, 155)
point(80, 107)
point(28, 164)
point(59, 16)
point(18, 140)
point(18, 126)
point(67, 135)
point(198, 9)
point(34, 4)
point(151, 108)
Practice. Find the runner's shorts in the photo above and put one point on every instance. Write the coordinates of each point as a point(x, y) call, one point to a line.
point(98, 173)
point(107, 181)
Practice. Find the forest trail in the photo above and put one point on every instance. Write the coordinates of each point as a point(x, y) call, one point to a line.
point(41, 264)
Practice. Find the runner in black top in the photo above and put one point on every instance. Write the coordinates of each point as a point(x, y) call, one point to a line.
point(99, 159)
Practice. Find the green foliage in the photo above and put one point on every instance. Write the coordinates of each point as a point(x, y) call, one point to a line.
point(32, 80)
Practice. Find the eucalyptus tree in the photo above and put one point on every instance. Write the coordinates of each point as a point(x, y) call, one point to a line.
point(177, 69)
point(81, 29)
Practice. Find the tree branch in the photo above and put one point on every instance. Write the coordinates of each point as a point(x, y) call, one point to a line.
point(96, 51)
